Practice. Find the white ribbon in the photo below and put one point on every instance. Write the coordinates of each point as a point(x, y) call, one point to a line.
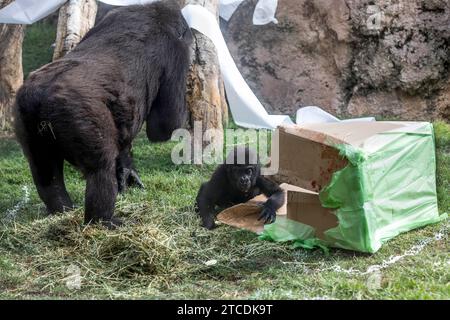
point(264, 11)
point(28, 11)
point(316, 115)
point(228, 7)
point(246, 109)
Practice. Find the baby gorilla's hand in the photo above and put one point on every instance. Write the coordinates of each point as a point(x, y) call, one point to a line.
point(268, 215)
point(209, 223)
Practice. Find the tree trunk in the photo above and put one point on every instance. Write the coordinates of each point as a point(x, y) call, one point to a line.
point(205, 91)
point(11, 73)
point(76, 18)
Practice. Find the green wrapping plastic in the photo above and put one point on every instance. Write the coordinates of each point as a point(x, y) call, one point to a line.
point(388, 187)
point(301, 235)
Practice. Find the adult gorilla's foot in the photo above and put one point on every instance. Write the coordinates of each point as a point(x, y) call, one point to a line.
point(113, 223)
point(110, 224)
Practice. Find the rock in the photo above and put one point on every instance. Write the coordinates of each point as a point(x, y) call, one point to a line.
point(351, 57)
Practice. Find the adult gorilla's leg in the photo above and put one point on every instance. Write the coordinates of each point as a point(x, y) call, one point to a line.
point(46, 164)
point(101, 193)
point(92, 145)
point(47, 172)
point(127, 175)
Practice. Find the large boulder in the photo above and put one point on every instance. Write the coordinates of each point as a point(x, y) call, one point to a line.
point(351, 57)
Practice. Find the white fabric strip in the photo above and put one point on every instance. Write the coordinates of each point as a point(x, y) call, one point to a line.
point(28, 11)
point(247, 111)
point(264, 11)
point(126, 2)
point(317, 115)
point(228, 7)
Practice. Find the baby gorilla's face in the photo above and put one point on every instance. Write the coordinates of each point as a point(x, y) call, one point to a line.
point(243, 177)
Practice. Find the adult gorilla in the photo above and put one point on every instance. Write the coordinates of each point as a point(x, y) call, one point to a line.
point(87, 107)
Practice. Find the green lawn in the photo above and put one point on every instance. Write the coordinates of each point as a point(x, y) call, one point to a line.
point(162, 251)
point(37, 46)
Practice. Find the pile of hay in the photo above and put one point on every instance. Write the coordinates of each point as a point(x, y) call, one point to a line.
point(150, 253)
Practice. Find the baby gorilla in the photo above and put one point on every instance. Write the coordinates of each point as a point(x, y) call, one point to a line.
point(234, 183)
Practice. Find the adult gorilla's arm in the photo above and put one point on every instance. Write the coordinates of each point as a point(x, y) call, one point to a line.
point(276, 199)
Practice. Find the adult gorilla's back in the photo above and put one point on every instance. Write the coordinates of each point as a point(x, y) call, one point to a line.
point(87, 107)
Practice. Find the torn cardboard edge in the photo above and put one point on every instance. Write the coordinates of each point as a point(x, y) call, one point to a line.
point(351, 133)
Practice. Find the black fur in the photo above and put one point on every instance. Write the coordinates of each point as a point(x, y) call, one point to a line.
point(88, 107)
point(234, 183)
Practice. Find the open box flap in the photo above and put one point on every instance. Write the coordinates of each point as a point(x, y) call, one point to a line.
point(245, 215)
point(352, 133)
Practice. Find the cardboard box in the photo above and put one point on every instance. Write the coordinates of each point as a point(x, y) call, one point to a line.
point(357, 184)
point(316, 158)
point(377, 178)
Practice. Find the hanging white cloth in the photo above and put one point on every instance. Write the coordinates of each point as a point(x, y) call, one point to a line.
point(228, 7)
point(246, 109)
point(28, 11)
point(264, 11)
point(314, 114)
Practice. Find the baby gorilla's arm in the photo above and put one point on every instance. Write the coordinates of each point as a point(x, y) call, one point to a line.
point(275, 201)
point(209, 195)
point(205, 206)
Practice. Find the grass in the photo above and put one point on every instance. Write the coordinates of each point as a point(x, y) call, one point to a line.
point(37, 46)
point(162, 251)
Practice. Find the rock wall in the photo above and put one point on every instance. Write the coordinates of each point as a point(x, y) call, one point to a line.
point(389, 58)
